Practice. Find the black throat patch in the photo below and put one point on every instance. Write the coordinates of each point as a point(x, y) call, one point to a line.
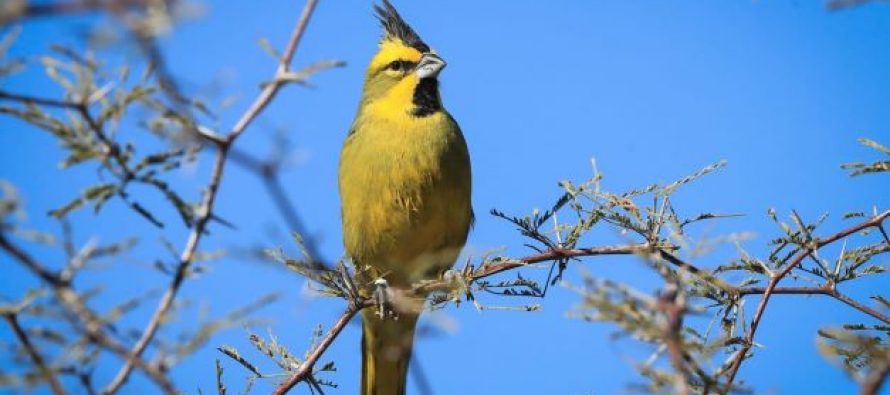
point(426, 98)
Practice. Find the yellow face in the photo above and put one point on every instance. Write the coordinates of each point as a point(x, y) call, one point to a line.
point(393, 54)
point(391, 79)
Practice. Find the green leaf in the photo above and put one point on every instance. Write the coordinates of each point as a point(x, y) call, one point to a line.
point(98, 191)
point(233, 353)
point(78, 154)
point(75, 204)
point(670, 188)
point(158, 159)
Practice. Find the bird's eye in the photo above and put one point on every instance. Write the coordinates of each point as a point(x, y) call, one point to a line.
point(399, 65)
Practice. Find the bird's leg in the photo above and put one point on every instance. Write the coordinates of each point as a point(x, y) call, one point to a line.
point(383, 299)
point(452, 276)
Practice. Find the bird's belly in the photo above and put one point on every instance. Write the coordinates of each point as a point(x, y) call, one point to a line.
point(408, 208)
point(410, 229)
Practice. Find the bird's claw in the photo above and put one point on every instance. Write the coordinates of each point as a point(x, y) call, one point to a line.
point(383, 299)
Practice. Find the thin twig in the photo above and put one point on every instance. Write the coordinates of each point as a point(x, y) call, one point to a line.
point(859, 306)
point(182, 269)
point(206, 208)
point(549, 255)
point(269, 172)
point(876, 379)
point(271, 89)
point(692, 269)
point(289, 213)
point(774, 281)
point(92, 324)
point(112, 157)
point(421, 382)
point(306, 367)
point(47, 374)
point(168, 84)
point(111, 148)
point(823, 290)
point(837, 5)
point(554, 254)
point(75, 7)
point(559, 253)
point(674, 310)
point(785, 291)
point(48, 276)
point(39, 100)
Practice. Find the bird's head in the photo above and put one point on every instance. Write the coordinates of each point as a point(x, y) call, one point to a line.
point(402, 76)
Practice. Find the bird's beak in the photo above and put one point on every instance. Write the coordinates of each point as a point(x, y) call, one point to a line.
point(429, 66)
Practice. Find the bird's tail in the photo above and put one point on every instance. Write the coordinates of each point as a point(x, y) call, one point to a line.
point(386, 351)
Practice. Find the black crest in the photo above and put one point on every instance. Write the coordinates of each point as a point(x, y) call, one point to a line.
point(396, 27)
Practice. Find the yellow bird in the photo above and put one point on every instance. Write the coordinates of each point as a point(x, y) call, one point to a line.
point(405, 191)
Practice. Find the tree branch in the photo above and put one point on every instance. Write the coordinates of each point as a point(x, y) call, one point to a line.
point(47, 374)
point(182, 269)
point(774, 281)
point(673, 306)
point(268, 172)
point(823, 290)
point(91, 322)
point(875, 380)
point(305, 370)
point(501, 266)
point(702, 274)
point(837, 5)
point(859, 306)
point(48, 276)
point(556, 253)
point(76, 7)
point(271, 89)
point(206, 208)
point(39, 100)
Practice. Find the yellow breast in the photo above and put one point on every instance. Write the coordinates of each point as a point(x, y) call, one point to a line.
point(405, 193)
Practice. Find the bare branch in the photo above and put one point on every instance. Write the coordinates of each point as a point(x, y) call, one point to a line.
point(38, 100)
point(774, 281)
point(859, 306)
point(92, 324)
point(876, 379)
point(182, 268)
point(206, 207)
point(68, 7)
point(837, 5)
point(269, 172)
point(823, 290)
point(500, 266)
point(271, 89)
point(672, 305)
point(50, 277)
point(556, 253)
point(47, 374)
point(305, 370)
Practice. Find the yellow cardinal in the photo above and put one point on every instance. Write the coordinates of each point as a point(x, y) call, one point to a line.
point(405, 191)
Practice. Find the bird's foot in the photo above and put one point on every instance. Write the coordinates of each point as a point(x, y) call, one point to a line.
point(383, 299)
point(451, 276)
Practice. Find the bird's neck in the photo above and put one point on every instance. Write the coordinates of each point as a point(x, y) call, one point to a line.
point(426, 98)
point(409, 98)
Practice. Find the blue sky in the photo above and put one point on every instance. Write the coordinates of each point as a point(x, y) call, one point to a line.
point(652, 90)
